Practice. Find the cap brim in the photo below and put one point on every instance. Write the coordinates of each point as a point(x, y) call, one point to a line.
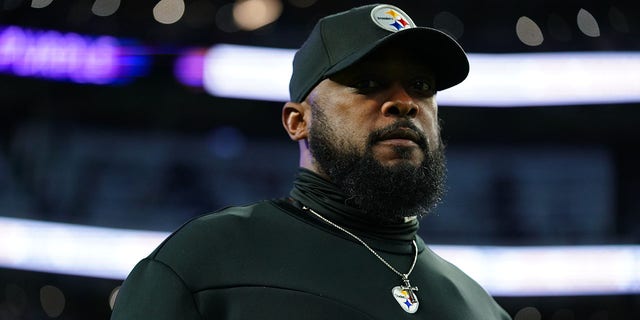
point(443, 54)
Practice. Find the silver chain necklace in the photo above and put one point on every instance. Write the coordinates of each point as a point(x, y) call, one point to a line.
point(404, 294)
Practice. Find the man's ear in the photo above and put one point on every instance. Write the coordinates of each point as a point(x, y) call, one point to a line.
point(295, 119)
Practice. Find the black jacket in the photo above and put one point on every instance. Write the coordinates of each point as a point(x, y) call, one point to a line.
point(270, 261)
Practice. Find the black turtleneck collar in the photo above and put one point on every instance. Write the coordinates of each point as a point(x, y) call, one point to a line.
point(322, 196)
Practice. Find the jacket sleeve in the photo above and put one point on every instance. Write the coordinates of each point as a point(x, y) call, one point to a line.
point(154, 291)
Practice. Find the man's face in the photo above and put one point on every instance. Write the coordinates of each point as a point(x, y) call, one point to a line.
point(374, 132)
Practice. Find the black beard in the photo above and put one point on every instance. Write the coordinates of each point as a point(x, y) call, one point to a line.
point(387, 194)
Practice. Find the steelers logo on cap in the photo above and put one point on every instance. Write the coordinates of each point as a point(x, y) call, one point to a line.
point(391, 18)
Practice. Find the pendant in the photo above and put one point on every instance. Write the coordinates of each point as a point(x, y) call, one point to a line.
point(406, 297)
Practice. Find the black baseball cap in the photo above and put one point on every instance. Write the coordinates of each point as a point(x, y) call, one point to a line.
point(340, 40)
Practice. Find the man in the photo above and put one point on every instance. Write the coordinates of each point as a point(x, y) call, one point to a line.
point(344, 244)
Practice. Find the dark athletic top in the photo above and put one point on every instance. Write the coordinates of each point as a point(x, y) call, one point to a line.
point(273, 260)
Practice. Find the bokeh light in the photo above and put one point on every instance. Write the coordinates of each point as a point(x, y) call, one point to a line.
point(168, 11)
point(227, 142)
point(10, 4)
point(105, 8)
point(254, 14)
point(618, 20)
point(69, 56)
point(528, 32)
point(528, 313)
point(15, 299)
point(587, 23)
point(52, 301)
point(449, 23)
point(38, 4)
point(564, 314)
point(189, 67)
point(224, 19)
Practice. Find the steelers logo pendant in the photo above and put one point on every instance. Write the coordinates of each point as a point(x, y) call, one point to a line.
point(406, 298)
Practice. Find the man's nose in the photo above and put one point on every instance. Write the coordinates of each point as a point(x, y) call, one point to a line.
point(400, 103)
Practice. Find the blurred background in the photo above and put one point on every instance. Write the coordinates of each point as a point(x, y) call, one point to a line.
point(112, 118)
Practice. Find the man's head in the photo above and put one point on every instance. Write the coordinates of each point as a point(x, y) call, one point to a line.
point(338, 41)
point(364, 111)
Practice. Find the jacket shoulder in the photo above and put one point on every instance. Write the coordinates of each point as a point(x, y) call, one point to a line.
point(227, 223)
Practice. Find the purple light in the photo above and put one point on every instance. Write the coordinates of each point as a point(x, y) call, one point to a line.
point(189, 67)
point(69, 56)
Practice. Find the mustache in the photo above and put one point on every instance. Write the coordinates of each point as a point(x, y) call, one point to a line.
point(400, 129)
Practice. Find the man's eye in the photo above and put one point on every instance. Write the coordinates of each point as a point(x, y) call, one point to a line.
point(367, 84)
point(423, 86)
